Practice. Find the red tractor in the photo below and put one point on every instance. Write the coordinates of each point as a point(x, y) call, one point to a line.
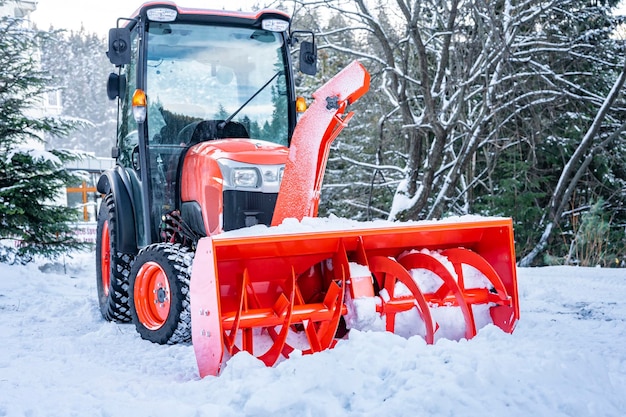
point(209, 143)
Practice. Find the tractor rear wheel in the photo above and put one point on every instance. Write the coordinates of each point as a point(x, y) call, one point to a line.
point(112, 266)
point(159, 288)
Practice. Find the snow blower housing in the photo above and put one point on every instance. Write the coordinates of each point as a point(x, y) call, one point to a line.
point(209, 141)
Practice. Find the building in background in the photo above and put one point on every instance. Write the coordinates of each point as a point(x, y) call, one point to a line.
point(19, 9)
point(22, 10)
point(84, 194)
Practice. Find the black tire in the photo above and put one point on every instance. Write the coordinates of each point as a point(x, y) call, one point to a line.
point(111, 279)
point(159, 288)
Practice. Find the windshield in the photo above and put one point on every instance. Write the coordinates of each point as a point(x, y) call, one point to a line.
point(207, 73)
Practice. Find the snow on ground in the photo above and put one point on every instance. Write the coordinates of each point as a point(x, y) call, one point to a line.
point(567, 357)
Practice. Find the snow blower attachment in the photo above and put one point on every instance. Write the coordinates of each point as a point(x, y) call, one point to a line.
point(209, 143)
point(305, 282)
point(275, 286)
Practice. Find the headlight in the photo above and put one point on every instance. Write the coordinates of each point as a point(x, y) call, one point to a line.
point(275, 25)
point(250, 177)
point(162, 15)
point(245, 177)
point(270, 175)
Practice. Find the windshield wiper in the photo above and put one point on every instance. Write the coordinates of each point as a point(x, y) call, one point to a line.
point(230, 118)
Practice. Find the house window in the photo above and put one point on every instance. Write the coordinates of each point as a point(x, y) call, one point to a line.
point(53, 100)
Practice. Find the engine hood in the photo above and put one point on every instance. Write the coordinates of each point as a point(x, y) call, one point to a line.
point(250, 151)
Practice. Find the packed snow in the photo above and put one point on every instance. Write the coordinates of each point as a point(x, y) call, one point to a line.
point(567, 357)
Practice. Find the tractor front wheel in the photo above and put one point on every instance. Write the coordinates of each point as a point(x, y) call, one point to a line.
point(159, 289)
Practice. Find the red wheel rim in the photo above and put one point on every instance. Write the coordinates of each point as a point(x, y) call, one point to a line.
point(105, 258)
point(152, 296)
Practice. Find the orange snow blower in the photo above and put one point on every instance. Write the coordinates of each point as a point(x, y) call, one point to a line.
point(304, 281)
point(209, 148)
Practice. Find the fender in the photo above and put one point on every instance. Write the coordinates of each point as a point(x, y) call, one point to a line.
point(115, 182)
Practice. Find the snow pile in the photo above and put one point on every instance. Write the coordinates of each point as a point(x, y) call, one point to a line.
point(566, 358)
point(291, 226)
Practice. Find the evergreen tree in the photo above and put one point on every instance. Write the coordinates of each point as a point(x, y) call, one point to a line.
point(30, 179)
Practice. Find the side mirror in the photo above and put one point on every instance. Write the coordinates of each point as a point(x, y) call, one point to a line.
point(308, 58)
point(119, 46)
point(116, 85)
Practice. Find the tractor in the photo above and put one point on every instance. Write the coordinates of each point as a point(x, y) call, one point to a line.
point(208, 231)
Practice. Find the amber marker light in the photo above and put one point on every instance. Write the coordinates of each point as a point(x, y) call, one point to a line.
point(301, 105)
point(139, 106)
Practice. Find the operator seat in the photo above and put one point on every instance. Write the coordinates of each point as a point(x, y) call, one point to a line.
point(204, 130)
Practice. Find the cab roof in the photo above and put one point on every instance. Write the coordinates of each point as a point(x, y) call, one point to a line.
point(187, 14)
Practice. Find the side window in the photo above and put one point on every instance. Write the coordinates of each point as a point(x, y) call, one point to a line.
point(127, 130)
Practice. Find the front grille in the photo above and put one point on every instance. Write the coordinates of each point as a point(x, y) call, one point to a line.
point(245, 208)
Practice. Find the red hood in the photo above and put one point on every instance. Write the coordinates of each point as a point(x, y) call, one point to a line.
point(250, 151)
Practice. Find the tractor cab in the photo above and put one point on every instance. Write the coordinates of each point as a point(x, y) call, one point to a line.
point(186, 77)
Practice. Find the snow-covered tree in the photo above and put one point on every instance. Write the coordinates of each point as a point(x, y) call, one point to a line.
point(30, 179)
point(79, 67)
point(481, 103)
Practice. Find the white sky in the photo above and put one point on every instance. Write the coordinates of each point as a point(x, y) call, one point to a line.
point(101, 15)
